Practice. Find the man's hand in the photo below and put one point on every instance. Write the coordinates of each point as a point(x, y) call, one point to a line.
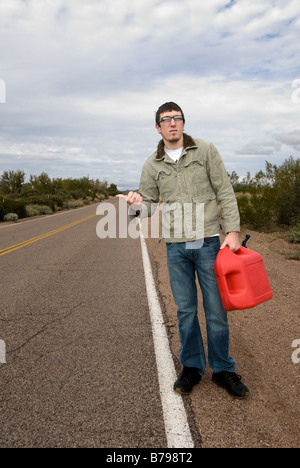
point(232, 241)
point(133, 198)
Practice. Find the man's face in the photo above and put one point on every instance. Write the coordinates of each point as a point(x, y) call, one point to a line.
point(172, 131)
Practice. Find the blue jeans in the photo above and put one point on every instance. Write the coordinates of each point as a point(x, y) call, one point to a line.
point(184, 263)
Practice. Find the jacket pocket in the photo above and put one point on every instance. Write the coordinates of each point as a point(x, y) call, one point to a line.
point(196, 170)
point(197, 177)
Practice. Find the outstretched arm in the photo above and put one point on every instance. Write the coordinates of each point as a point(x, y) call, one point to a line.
point(133, 198)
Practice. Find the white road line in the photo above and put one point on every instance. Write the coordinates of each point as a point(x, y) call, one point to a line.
point(2, 352)
point(175, 418)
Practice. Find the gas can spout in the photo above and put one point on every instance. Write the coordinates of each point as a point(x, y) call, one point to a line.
point(244, 243)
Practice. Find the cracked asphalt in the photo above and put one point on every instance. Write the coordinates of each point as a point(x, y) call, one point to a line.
point(80, 368)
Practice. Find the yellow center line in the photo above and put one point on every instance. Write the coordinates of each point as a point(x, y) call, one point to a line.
point(42, 236)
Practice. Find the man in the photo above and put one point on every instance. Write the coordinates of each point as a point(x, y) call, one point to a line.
point(187, 172)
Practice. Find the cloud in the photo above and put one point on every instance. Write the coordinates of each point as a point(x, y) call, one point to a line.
point(90, 75)
point(265, 148)
point(291, 139)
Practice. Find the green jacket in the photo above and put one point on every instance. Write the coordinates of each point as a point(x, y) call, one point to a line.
point(189, 191)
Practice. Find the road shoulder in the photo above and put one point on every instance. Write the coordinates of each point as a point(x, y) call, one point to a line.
point(261, 343)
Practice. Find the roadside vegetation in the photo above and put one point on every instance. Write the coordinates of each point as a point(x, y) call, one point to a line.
point(42, 195)
point(270, 201)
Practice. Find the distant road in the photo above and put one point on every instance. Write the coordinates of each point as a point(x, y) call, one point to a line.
point(80, 367)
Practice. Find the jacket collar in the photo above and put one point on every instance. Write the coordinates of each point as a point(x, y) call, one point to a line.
point(188, 142)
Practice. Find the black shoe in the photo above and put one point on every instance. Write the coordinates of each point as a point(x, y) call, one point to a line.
point(188, 378)
point(232, 383)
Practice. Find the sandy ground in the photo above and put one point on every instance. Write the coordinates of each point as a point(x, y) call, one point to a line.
point(261, 343)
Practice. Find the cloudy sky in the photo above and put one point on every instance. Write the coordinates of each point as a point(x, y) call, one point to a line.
point(80, 81)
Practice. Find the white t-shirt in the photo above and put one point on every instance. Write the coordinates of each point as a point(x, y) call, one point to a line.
point(174, 154)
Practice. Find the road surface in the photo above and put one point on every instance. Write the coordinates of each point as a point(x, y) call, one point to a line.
point(80, 367)
point(77, 358)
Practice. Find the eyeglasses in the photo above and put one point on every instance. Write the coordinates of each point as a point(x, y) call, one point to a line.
point(177, 118)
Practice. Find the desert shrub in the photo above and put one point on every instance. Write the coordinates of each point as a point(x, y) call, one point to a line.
point(37, 210)
point(100, 197)
point(11, 217)
point(41, 200)
point(57, 201)
point(256, 211)
point(12, 206)
point(271, 198)
point(288, 190)
point(294, 234)
point(70, 204)
point(77, 194)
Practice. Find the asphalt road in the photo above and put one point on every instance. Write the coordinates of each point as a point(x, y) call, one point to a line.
point(80, 368)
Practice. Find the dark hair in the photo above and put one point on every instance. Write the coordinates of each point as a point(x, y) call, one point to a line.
point(168, 107)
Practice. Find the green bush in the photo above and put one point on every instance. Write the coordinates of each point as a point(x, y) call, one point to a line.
point(256, 212)
point(70, 204)
point(37, 210)
point(12, 206)
point(77, 194)
point(271, 198)
point(11, 217)
point(41, 200)
point(294, 234)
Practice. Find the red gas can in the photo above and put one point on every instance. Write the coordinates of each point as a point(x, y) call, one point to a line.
point(242, 279)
